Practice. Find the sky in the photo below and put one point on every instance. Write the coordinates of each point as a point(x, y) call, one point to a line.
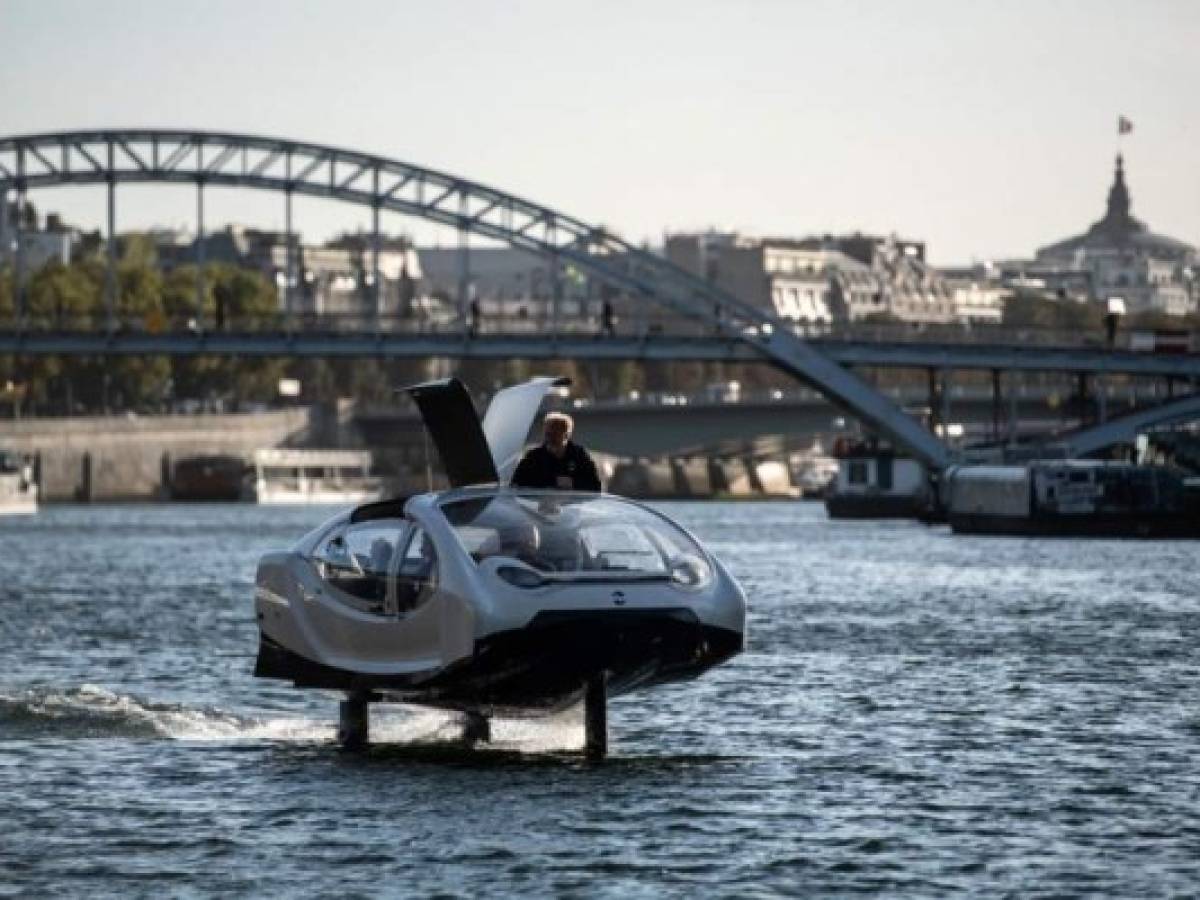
point(985, 128)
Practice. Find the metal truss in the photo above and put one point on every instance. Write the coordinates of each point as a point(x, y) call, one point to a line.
point(1126, 428)
point(212, 158)
point(209, 158)
point(1009, 358)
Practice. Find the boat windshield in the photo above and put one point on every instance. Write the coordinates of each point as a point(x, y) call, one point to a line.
point(576, 533)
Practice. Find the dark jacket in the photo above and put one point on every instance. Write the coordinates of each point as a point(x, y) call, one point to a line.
point(539, 468)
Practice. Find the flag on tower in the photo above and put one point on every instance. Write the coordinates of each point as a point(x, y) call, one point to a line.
point(1124, 126)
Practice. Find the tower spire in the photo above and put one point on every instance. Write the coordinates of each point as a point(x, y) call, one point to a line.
point(1118, 194)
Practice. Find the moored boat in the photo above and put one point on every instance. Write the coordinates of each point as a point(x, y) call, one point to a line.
point(874, 482)
point(292, 476)
point(208, 478)
point(1072, 498)
point(18, 486)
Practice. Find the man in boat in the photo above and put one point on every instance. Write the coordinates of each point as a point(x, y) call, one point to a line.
point(557, 462)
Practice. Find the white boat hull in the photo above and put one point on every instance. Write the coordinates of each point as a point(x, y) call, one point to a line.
point(268, 495)
point(19, 506)
point(18, 494)
point(476, 641)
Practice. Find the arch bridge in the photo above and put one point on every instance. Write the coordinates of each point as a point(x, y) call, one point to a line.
point(203, 158)
point(112, 157)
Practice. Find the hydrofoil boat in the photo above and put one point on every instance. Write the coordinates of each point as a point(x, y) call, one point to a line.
point(490, 599)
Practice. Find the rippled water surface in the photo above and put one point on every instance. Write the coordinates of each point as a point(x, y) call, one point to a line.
point(916, 714)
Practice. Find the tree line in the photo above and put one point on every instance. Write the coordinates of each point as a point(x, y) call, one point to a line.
point(149, 299)
point(72, 296)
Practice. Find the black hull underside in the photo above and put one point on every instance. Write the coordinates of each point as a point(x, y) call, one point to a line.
point(1114, 525)
point(873, 506)
point(540, 668)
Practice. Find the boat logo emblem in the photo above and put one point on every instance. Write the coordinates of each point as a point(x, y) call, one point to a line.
point(618, 597)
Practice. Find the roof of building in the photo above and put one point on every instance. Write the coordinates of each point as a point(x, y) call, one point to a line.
point(1118, 230)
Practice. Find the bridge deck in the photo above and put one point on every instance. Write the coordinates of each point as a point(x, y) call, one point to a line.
point(456, 344)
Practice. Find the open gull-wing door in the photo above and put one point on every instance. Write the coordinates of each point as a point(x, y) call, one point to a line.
point(509, 417)
point(474, 452)
point(452, 422)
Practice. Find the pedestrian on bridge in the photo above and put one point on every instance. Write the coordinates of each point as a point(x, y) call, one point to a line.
point(558, 462)
point(607, 319)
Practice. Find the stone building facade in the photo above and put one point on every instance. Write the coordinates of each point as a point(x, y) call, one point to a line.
point(40, 245)
point(822, 280)
point(333, 280)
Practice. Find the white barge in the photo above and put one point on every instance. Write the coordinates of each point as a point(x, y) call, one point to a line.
point(288, 476)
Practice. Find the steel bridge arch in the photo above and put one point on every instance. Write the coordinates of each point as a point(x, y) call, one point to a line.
point(1125, 429)
point(130, 156)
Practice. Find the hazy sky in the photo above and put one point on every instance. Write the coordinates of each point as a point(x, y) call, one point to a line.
point(986, 128)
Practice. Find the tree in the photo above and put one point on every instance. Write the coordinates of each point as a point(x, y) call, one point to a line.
point(62, 296)
point(6, 293)
point(136, 382)
point(57, 296)
point(1027, 310)
point(243, 299)
point(630, 376)
point(7, 363)
point(138, 249)
point(1156, 320)
point(234, 299)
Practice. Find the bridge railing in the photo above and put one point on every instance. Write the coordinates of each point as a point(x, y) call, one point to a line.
point(951, 333)
point(350, 324)
point(485, 325)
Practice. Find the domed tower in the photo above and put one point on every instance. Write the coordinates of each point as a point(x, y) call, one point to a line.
point(1120, 256)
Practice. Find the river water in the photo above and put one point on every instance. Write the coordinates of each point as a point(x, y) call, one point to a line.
point(916, 714)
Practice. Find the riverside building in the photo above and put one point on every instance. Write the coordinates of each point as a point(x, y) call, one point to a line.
point(336, 279)
point(508, 283)
point(40, 246)
point(822, 280)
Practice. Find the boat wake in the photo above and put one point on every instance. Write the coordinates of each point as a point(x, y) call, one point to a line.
point(91, 711)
